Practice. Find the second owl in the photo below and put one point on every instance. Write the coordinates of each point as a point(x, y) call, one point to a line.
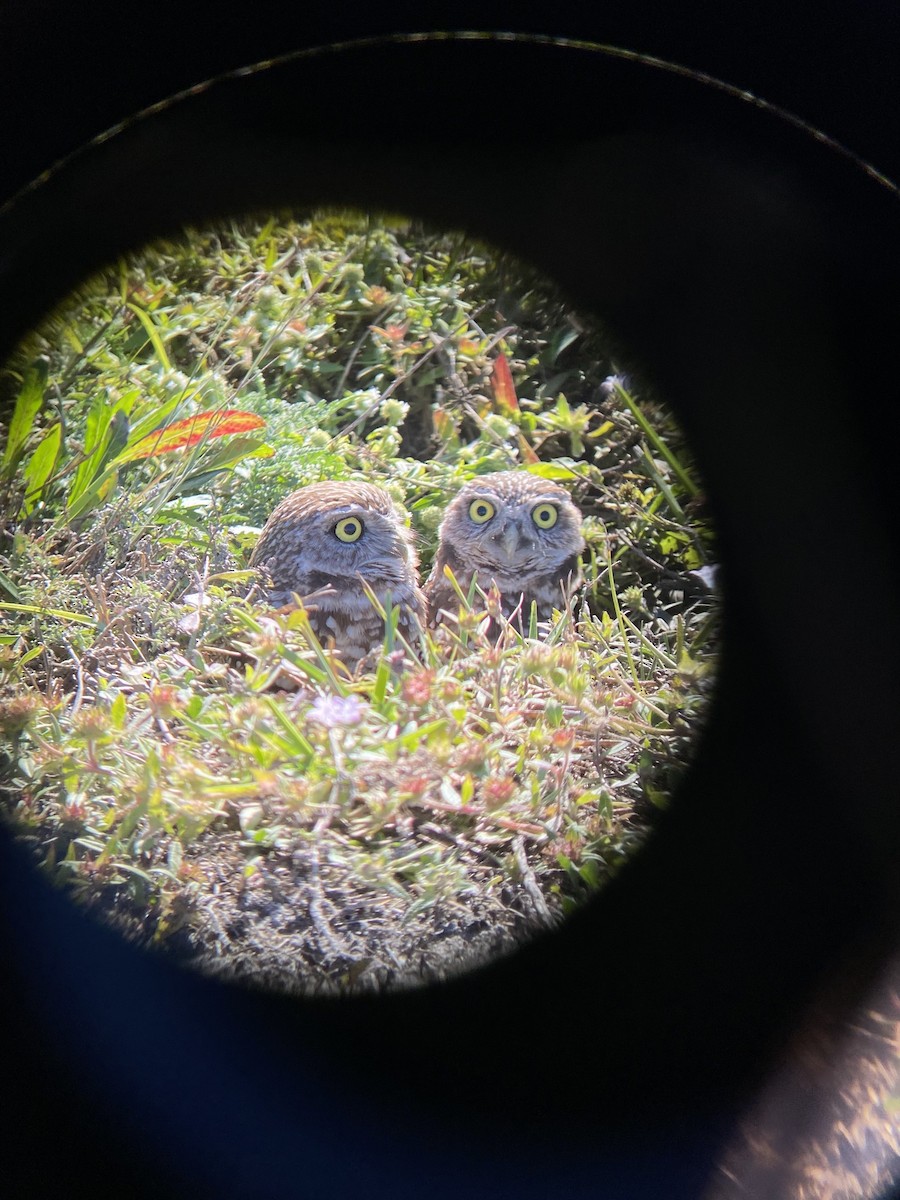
point(515, 531)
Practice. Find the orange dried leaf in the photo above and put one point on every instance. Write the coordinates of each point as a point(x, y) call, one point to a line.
point(528, 455)
point(184, 434)
point(443, 423)
point(503, 387)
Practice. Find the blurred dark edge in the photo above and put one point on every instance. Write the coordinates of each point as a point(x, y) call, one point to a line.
point(755, 274)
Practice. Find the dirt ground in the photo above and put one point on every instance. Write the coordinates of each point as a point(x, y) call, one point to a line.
point(303, 925)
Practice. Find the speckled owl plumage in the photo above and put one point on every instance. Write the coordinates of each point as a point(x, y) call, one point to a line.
point(509, 550)
point(300, 553)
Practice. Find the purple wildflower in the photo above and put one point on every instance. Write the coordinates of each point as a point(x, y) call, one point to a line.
point(608, 386)
point(332, 711)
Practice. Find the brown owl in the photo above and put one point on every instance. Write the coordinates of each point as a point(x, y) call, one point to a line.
point(321, 542)
point(516, 531)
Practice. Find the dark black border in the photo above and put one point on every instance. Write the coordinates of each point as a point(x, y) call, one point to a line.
point(753, 270)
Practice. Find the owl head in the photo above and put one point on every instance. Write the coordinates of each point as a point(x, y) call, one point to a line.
point(339, 530)
point(512, 525)
point(513, 531)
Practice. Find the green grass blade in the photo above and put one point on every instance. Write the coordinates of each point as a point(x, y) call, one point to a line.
point(28, 405)
point(621, 623)
point(60, 613)
point(533, 631)
point(661, 483)
point(300, 747)
point(657, 441)
point(153, 334)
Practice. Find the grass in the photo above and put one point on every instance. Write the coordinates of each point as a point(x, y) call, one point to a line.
point(200, 771)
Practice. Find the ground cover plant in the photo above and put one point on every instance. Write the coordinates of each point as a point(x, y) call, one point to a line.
point(201, 771)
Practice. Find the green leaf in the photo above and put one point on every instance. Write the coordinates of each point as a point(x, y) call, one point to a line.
point(105, 432)
point(134, 872)
point(94, 495)
point(30, 654)
point(95, 427)
point(118, 711)
point(550, 470)
point(7, 586)
point(40, 467)
point(533, 622)
point(153, 334)
point(28, 405)
point(215, 461)
point(244, 576)
point(73, 339)
point(414, 737)
point(564, 338)
point(231, 452)
point(118, 437)
point(379, 690)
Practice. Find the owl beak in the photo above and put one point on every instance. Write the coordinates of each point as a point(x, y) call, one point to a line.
point(510, 540)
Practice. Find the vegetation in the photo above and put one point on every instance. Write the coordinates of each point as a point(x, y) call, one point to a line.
point(200, 770)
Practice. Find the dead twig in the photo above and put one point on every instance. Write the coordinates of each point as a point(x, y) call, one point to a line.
point(530, 883)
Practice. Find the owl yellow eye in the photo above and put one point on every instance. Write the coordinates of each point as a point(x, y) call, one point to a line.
point(544, 515)
point(481, 511)
point(349, 530)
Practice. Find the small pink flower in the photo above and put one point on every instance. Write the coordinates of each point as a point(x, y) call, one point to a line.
point(417, 688)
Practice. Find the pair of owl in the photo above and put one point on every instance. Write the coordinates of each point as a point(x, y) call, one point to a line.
point(510, 529)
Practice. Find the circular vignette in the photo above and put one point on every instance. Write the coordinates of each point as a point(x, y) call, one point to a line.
point(340, 349)
point(739, 259)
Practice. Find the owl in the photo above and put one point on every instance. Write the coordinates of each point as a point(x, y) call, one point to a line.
point(513, 530)
point(321, 543)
